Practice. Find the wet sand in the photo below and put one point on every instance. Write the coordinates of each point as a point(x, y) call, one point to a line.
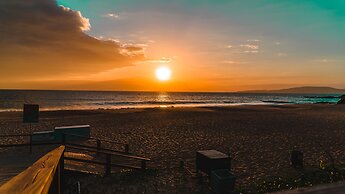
point(258, 138)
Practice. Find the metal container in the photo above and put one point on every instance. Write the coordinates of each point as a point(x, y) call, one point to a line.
point(222, 181)
point(77, 132)
point(208, 160)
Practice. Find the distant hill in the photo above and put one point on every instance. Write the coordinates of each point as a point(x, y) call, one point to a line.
point(301, 90)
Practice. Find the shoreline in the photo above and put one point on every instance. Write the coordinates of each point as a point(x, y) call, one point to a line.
point(172, 106)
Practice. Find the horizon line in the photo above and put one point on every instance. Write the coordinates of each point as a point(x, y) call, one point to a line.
point(152, 91)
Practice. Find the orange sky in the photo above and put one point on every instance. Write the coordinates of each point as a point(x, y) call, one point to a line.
point(106, 47)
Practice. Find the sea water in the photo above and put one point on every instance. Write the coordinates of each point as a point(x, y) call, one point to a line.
point(13, 100)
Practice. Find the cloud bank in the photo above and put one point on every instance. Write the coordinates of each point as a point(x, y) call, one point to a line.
point(40, 38)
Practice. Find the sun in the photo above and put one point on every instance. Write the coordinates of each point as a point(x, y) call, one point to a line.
point(163, 73)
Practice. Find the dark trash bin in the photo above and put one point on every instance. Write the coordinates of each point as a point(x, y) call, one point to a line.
point(222, 181)
point(297, 159)
point(209, 160)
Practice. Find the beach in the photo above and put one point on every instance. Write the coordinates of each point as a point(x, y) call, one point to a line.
point(258, 138)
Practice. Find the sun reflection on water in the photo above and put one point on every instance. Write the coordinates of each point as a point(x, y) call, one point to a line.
point(163, 97)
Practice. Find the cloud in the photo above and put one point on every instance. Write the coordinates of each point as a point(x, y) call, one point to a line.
point(84, 22)
point(112, 15)
point(161, 60)
point(253, 40)
point(250, 46)
point(40, 38)
point(251, 51)
point(132, 50)
point(326, 61)
point(232, 62)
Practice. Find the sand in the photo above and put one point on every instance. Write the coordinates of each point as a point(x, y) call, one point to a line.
point(258, 138)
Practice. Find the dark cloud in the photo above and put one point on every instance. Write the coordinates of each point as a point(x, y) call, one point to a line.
point(132, 48)
point(38, 37)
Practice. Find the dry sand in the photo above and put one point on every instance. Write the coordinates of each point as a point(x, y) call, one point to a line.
point(258, 138)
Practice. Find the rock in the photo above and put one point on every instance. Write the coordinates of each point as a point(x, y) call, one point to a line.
point(342, 99)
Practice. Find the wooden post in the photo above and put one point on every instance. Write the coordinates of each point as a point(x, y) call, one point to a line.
point(30, 143)
point(108, 165)
point(143, 164)
point(58, 173)
point(98, 146)
point(127, 148)
point(181, 164)
point(30, 128)
point(62, 172)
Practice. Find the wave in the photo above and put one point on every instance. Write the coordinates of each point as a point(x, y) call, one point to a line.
point(61, 100)
point(276, 101)
point(326, 97)
point(161, 102)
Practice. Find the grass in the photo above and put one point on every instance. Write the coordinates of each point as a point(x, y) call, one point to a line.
point(155, 181)
point(296, 178)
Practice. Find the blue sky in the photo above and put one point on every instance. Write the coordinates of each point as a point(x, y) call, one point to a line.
point(227, 45)
point(296, 38)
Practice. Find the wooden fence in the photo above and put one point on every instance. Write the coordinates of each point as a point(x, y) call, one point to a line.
point(64, 140)
point(98, 149)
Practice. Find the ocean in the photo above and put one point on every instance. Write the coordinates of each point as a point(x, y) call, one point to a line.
point(13, 100)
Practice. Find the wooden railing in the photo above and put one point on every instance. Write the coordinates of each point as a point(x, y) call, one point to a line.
point(44, 176)
point(108, 160)
point(98, 149)
point(99, 143)
point(64, 140)
point(108, 153)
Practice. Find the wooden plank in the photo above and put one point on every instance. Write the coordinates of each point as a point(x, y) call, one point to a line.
point(126, 166)
point(102, 163)
point(132, 157)
point(93, 149)
point(105, 151)
point(75, 146)
point(38, 177)
point(84, 160)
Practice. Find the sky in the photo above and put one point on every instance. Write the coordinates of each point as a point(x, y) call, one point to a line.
point(225, 45)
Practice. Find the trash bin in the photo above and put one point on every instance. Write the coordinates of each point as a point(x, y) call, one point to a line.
point(222, 181)
point(297, 159)
point(209, 160)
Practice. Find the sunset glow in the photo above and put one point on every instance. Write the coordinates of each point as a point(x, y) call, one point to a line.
point(163, 73)
point(183, 86)
point(216, 46)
